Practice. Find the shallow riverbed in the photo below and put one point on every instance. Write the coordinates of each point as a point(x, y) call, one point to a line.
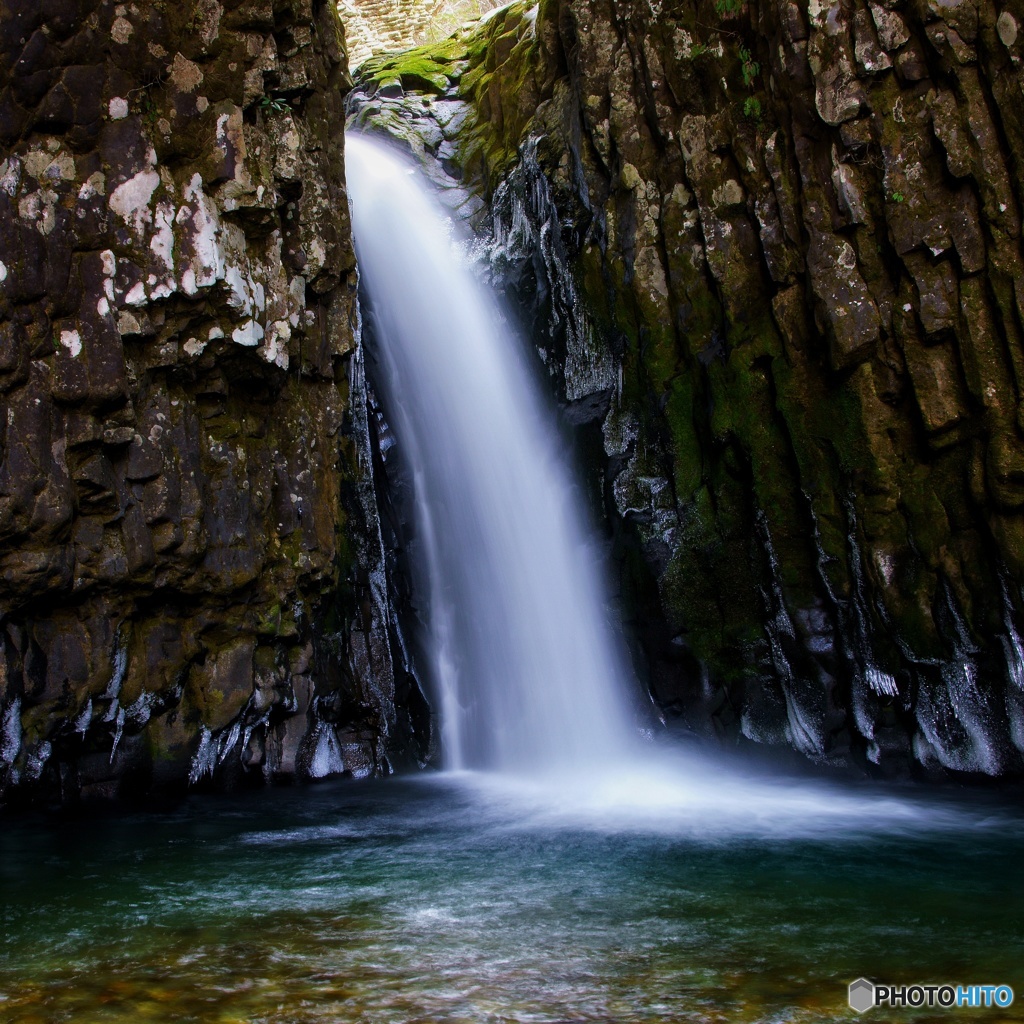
point(452, 899)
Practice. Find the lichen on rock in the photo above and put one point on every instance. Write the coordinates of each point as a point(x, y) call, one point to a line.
point(179, 390)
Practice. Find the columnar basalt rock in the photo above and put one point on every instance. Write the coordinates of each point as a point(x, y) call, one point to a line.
point(798, 229)
point(184, 447)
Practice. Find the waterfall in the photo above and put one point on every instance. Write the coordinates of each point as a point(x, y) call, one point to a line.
point(529, 675)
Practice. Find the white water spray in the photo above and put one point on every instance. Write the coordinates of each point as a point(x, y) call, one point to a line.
point(530, 676)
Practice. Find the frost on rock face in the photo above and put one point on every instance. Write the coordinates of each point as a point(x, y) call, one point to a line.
point(10, 732)
point(83, 721)
point(956, 719)
point(358, 760)
point(214, 749)
point(527, 230)
point(36, 760)
point(326, 759)
point(205, 760)
point(1013, 650)
point(881, 682)
point(116, 681)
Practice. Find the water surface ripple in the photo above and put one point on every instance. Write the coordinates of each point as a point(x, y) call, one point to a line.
point(450, 899)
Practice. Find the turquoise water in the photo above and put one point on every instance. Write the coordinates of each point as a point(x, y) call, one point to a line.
point(445, 899)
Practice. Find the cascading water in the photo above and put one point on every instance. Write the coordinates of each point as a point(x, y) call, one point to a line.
point(529, 674)
point(531, 680)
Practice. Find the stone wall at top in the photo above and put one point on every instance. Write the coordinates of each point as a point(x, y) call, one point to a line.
point(384, 26)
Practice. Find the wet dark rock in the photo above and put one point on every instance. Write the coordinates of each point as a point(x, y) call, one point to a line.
point(798, 242)
point(186, 538)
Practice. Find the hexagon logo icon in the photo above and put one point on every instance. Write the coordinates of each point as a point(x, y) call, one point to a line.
point(862, 995)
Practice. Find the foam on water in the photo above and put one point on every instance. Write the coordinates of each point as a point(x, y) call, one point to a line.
point(677, 795)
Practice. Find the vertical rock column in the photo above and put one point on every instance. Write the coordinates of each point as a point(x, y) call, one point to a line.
point(796, 226)
point(808, 248)
point(177, 369)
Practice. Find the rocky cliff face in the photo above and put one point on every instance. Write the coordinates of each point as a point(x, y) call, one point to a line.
point(771, 256)
point(798, 230)
point(184, 478)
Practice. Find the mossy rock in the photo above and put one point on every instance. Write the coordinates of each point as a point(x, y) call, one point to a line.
point(429, 69)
